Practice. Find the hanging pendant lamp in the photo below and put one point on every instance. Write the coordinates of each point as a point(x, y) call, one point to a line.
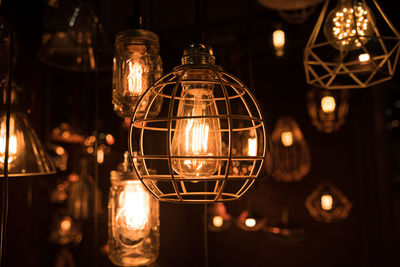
point(353, 46)
point(27, 156)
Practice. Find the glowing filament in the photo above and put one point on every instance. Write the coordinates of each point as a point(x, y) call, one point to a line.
point(326, 202)
point(134, 211)
point(250, 222)
point(252, 147)
point(12, 148)
point(135, 78)
point(287, 138)
point(328, 104)
point(364, 57)
point(218, 221)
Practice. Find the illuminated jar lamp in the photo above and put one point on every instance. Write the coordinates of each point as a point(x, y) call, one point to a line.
point(348, 26)
point(290, 155)
point(27, 156)
point(193, 167)
point(248, 220)
point(137, 65)
point(218, 219)
point(327, 109)
point(278, 40)
point(327, 203)
point(133, 219)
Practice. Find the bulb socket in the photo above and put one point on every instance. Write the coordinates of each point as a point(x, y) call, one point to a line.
point(198, 54)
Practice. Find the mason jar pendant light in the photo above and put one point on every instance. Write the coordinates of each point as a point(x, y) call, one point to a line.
point(327, 108)
point(137, 65)
point(290, 159)
point(348, 50)
point(133, 219)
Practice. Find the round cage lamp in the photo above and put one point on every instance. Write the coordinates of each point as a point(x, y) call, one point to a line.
point(204, 109)
point(352, 46)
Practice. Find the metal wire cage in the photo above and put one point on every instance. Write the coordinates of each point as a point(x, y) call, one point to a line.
point(235, 113)
point(353, 46)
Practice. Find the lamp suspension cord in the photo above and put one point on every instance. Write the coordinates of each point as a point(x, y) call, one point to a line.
point(198, 23)
point(6, 154)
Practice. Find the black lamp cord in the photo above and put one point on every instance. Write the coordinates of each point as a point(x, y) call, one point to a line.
point(4, 210)
point(198, 23)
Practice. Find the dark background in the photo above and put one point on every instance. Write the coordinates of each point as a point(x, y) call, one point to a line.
point(362, 159)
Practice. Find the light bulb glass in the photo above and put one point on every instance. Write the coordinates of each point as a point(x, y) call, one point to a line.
point(218, 221)
point(364, 57)
point(347, 24)
point(250, 222)
point(328, 104)
point(278, 39)
point(196, 137)
point(326, 202)
point(287, 138)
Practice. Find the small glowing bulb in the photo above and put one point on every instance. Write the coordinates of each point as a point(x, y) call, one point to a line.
point(287, 138)
point(326, 202)
point(250, 222)
point(252, 147)
point(100, 155)
point(65, 224)
point(133, 215)
point(218, 221)
point(278, 39)
point(328, 104)
point(135, 81)
point(364, 57)
point(13, 146)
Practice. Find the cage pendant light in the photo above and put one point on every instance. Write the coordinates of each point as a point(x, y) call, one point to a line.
point(353, 46)
point(190, 143)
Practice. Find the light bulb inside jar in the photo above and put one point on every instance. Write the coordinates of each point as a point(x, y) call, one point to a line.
point(326, 202)
point(198, 135)
point(328, 104)
point(347, 24)
point(133, 215)
point(287, 138)
point(13, 145)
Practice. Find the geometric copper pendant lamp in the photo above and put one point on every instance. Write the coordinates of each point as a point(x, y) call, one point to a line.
point(352, 46)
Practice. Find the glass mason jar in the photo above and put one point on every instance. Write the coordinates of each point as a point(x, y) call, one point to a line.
point(133, 220)
point(137, 65)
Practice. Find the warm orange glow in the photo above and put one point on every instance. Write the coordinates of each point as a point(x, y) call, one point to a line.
point(279, 39)
point(60, 150)
point(287, 138)
point(134, 208)
point(252, 147)
point(12, 149)
point(326, 202)
point(135, 78)
point(364, 57)
point(218, 221)
point(250, 222)
point(328, 104)
point(65, 224)
point(100, 155)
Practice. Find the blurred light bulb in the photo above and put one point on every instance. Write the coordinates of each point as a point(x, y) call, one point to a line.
point(136, 84)
point(252, 147)
point(328, 104)
point(287, 138)
point(13, 146)
point(346, 25)
point(218, 221)
point(133, 214)
point(197, 137)
point(250, 222)
point(326, 202)
point(100, 155)
point(278, 39)
point(364, 57)
point(65, 224)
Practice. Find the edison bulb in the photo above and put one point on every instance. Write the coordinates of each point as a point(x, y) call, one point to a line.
point(347, 24)
point(326, 202)
point(278, 39)
point(218, 221)
point(14, 145)
point(199, 134)
point(132, 216)
point(328, 104)
point(250, 222)
point(287, 138)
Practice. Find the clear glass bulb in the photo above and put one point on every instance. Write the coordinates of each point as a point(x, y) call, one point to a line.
point(345, 22)
point(14, 146)
point(196, 136)
point(132, 216)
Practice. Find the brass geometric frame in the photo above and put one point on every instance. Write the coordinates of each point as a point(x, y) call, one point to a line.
point(343, 70)
point(224, 185)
